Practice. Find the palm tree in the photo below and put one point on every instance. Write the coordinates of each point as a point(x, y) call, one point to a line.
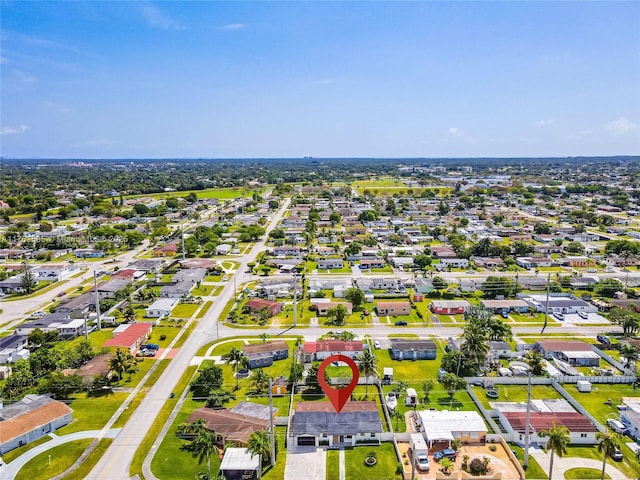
point(397, 415)
point(630, 354)
point(120, 362)
point(129, 314)
point(475, 344)
point(607, 445)
point(260, 380)
point(446, 465)
point(558, 441)
point(259, 443)
point(367, 363)
point(263, 337)
point(499, 330)
point(235, 358)
point(203, 446)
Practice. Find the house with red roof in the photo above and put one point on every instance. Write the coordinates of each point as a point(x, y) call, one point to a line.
point(543, 415)
point(258, 304)
point(130, 337)
point(312, 351)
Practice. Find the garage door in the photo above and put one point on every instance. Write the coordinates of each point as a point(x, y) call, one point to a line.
point(305, 441)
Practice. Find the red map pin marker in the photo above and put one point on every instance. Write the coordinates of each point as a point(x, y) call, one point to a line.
point(338, 396)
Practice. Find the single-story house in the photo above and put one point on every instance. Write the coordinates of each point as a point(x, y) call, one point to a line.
point(577, 261)
point(330, 263)
point(110, 288)
point(323, 307)
point(258, 304)
point(53, 272)
point(445, 426)
point(393, 308)
point(240, 464)
point(279, 387)
point(289, 251)
point(161, 307)
point(67, 327)
point(560, 304)
point(418, 349)
point(97, 366)
point(30, 419)
point(88, 253)
point(372, 263)
point(322, 349)
point(533, 262)
point(264, 354)
point(229, 426)
point(10, 346)
point(487, 262)
point(131, 337)
point(168, 250)
point(223, 249)
point(581, 430)
point(442, 252)
point(499, 349)
point(498, 306)
point(449, 307)
point(454, 262)
point(574, 352)
point(317, 424)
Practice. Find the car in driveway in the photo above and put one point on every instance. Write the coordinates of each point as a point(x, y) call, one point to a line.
point(376, 345)
point(446, 453)
point(617, 456)
point(400, 323)
point(422, 462)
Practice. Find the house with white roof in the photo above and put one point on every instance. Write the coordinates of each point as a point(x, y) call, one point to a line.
point(445, 426)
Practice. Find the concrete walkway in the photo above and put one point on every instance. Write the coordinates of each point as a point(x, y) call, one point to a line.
point(343, 470)
point(561, 465)
point(308, 466)
point(10, 470)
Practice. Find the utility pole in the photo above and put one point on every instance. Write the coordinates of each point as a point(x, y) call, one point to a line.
point(527, 437)
point(295, 300)
point(271, 434)
point(183, 252)
point(86, 330)
point(95, 288)
point(546, 305)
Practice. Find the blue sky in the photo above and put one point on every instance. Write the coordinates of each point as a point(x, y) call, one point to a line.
point(270, 79)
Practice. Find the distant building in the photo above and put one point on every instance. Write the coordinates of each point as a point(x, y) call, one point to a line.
point(410, 349)
point(264, 354)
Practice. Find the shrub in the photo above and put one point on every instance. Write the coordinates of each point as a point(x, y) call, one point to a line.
point(163, 337)
point(492, 448)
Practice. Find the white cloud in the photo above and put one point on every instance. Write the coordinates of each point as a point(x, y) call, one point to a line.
point(233, 26)
point(327, 81)
point(13, 130)
point(621, 126)
point(157, 18)
point(545, 123)
point(24, 77)
point(56, 107)
point(455, 131)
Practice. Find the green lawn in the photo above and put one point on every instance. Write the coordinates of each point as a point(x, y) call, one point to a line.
point(385, 467)
point(92, 413)
point(184, 310)
point(277, 472)
point(54, 461)
point(205, 308)
point(629, 466)
point(221, 193)
point(584, 474)
point(333, 465)
point(534, 471)
point(16, 452)
point(171, 463)
point(83, 470)
point(516, 393)
point(202, 290)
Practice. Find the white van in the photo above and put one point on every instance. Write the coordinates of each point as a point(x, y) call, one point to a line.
point(616, 425)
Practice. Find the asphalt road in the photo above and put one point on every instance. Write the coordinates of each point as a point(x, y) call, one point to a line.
point(116, 461)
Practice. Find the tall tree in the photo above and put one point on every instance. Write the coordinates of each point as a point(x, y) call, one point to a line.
point(120, 362)
point(607, 445)
point(202, 446)
point(28, 281)
point(235, 358)
point(558, 442)
point(259, 443)
point(367, 364)
point(452, 383)
point(475, 343)
point(355, 296)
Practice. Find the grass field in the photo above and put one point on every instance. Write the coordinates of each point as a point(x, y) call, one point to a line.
point(534, 471)
point(384, 468)
point(584, 474)
point(333, 465)
point(83, 470)
point(54, 461)
point(221, 193)
point(205, 308)
point(184, 310)
point(516, 393)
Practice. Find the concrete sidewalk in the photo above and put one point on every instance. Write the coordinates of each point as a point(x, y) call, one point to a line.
point(10, 470)
point(561, 465)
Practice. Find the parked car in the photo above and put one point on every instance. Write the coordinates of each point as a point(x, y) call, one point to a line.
point(504, 314)
point(376, 345)
point(146, 353)
point(446, 453)
point(149, 346)
point(617, 456)
point(604, 339)
point(583, 315)
point(559, 316)
point(62, 293)
point(422, 462)
point(39, 313)
point(400, 323)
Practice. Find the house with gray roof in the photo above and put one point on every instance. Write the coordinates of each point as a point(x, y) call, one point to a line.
point(318, 424)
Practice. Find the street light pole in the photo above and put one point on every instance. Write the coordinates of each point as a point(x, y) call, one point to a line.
point(295, 300)
point(527, 437)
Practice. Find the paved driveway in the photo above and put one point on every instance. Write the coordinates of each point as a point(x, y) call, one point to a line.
point(562, 464)
point(310, 465)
